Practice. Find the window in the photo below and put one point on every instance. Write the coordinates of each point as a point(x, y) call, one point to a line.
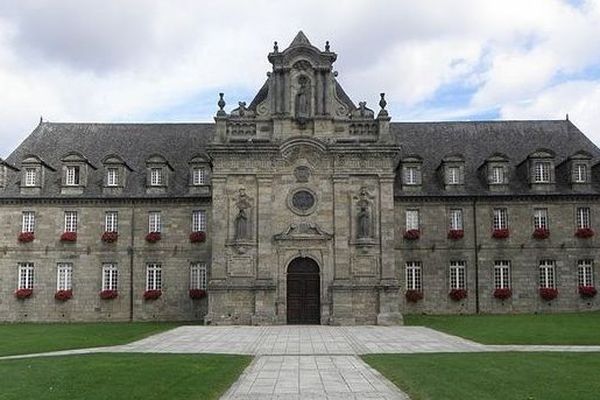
point(580, 173)
point(585, 273)
point(502, 274)
point(413, 275)
point(28, 221)
point(540, 218)
point(198, 176)
point(456, 219)
point(25, 276)
point(199, 221)
point(412, 220)
point(70, 221)
point(410, 176)
point(156, 176)
point(154, 221)
point(583, 218)
point(198, 276)
point(153, 277)
point(110, 277)
point(497, 176)
point(457, 275)
point(547, 274)
point(72, 177)
point(64, 280)
point(112, 177)
point(453, 176)
point(30, 177)
point(111, 221)
point(542, 172)
point(500, 218)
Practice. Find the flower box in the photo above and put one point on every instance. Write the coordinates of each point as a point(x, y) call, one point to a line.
point(197, 294)
point(548, 293)
point(502, 294)
point(584, 233)
point(456, 234)
point(26, 237)
point(458, 294)
point(413, 296)
point(587, 292)
point(23, 293)
point(68, 237)
point(153, 237)
point(110, 237)
point(412, 234)
point(197, 237)
point(152, 294)
point(500, 233)
point(63, 295)
point(108, 294)
point(541, 233)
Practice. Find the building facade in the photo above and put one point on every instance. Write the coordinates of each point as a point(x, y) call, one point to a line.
point(298, 208)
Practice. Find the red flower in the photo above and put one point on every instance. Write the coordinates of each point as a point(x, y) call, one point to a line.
point(548, 293)
point(25, 237)
point(197, 237)
point(413, 295)
point(152, 294)
point(110, 237)
point(502, 294)
point(541, 233)
point(23, 293)
point(456, 234)
point(197, 294)
point(412, 234)
point(63, 295)
point(108, 294)
point(68, 237)
point(458, 294)
point(153, 237)
point(500, 233)
point(584, 233)
point(587, 292)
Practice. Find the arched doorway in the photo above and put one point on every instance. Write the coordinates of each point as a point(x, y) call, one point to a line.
point(303, 292)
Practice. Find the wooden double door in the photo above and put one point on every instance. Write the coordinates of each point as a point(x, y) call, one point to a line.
point(303, 292)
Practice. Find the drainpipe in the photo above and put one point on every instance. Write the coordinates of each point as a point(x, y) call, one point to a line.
point(130, 252)
point(476, 244)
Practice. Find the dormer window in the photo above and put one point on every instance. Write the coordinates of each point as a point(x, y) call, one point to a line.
point(580, 172)
point(497, 176)
point(410, 173)
point(156, 176)
point(30, 177)
point(542, 172)
point(75, 170)
point(112, 176)
point(72, 176)
point(453, 175)
point(452, 171)
point(115, 174)
point(410, 176)
point(198, 176)
point(495, 171)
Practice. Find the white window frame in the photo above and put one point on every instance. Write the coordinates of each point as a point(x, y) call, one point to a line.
point(198, 176)
point(198, 276)
point(580, 173)
point(453, 175)
point(156, 176)
point(64, 276)
point(497, 176)
point(583, 218)
point(411, 175)
point(457, 275)
point(199, 221)
point(70, 221)
point(25, 275)
point(502, 274)
point(111, 221)
point(154, 222)
point(541, 171)
point(414, 275)
point(585, 272)
point(540, 218)
point(154, 276)
point(456, 219)
point(412, 219)
point(500, 219)
point(110, 276)
point(30, 177)
point(28, 221)
point(112, 176)
point(72, 175)
point(547, 274)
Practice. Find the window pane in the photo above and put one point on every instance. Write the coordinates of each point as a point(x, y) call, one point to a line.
point(500, 218)
point(456, 219)
point(502, 274)
point(540, 218)
point(64, 279)
point(70, 221)
point(413, 275)
point(28, 221)
point(154, 224)
point(412, 219)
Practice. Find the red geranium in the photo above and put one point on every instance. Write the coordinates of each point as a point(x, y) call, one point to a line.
point(500, 233)
point(541, 233)
point(584, 233)
point(110, 237)
point(197, 294)
point(23, 293)
point(456, 234)
point(412, 234)
point(197, 237)
point(108, 294)
point(502, 294)
point(153, 237)
point(68, 237)
point(458, 294)
point(25, 237)
point(548, 293)
point(587, 292)
point(63, 295)
point(413, 295)
point(152, 294)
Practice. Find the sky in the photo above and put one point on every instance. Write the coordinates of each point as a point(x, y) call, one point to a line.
point(151, 60)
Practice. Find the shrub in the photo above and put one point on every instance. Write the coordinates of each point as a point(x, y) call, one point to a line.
point(68, 237)
point(502, 294)
point(458, 294)
point(500, 233)
point(63, 295)
point(153, 237)
point(108, 294)
point(152, 294)
point(197, 294)
point(548, 294)
point(197, 237)
point(541, 233)
point(414, 295)
point(110, 237)
point(584, 233)
point(25, 237)
point(23, 293)
point(412, 234)
point(587, 292)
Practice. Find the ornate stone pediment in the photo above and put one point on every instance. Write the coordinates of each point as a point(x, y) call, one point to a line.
point(303, 231)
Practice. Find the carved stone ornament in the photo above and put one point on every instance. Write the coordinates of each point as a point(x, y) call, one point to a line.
point(302, 173)
point(302, 201)
point(303, 231)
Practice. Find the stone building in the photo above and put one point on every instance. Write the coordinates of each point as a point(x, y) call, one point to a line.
point(300, 207)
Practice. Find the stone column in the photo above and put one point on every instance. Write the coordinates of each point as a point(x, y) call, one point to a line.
point(219, 227)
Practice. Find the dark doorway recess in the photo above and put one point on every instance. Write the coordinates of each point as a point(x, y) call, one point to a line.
point(303, 292)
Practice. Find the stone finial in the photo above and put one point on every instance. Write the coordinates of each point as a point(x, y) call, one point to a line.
point(382, 103)
point(221, 104)
point(567, 117)
point(275, 47)
point(42, 119)
point(327, 45)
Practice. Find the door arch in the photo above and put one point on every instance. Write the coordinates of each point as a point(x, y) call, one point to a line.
point(303, 292)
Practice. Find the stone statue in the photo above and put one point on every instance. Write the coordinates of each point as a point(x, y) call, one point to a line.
point(303, 99)
point(241, 225)
point(364, 222)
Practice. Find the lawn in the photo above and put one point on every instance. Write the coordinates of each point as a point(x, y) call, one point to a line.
point(489, 376)
point(566, 329)
point(37, 338)
point(120, 376)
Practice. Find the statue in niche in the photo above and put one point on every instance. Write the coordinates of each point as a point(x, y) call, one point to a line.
point(303, 100)
point(242, 224)
point(364, 221)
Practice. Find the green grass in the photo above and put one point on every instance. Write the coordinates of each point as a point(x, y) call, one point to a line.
point(38, 338)
point(120, 376)
point(489, 376)
point(565, 329)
